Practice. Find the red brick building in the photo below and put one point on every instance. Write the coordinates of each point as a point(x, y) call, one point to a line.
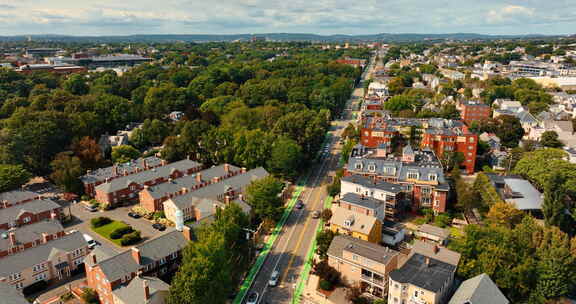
point(474, 111)
point(28, 213)
point(28, 236)
point(440, 135)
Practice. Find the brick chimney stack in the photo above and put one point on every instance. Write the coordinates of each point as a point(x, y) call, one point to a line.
point(45, 237)
point(146, 289)
point(227, 168)
point(199, 177)
point(13, 241)
point(136, 255)
point(94, 261)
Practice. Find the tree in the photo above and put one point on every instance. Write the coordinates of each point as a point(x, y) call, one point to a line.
point(12, 177)
point(323, 240)
point(89, 296)
point(76, 85)
point(66, 171)
point(88, 150)
point(400, 102)
point(550, 139)
point(326, 215)
point(509, 131)
point(504, 214)
point(124, 154)
point(286, 158)
point(262, 195)
point(554, 204)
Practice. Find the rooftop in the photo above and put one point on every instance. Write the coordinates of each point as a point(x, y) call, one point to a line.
point(374, 252)
point(523, 195)
point(133, 292)
point(358, 222)
point(436, 252)
point(8, 215)
point(478, 290)
point(433, 230)
point(424, 272)
point(16, 196)
point(29, 233)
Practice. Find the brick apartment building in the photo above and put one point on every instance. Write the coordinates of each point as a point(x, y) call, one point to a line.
point(474, 111)
point(125, 188)
point(104, 175)
point(52, 260)
point(153, 197)
point(18, 239)
point(372, 197)
point(111, 274)
point(418, 173)
point(28, 212)
point(440, 135)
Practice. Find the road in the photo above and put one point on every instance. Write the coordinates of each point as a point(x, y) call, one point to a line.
point(289, 251)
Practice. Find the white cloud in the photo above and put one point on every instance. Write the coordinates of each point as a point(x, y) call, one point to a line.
point(509, 13)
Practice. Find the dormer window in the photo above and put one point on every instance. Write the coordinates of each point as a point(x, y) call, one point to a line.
point(432, 177)
point(413, 175)
point(358, 166)
point(372, 168)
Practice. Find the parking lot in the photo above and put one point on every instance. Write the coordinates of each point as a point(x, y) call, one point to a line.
point(82, 219)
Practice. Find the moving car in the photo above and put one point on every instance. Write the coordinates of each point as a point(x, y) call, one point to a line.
point(91, 242)
point(316, 214)
point(274, 278)
point(299, 204)
point(252, 298)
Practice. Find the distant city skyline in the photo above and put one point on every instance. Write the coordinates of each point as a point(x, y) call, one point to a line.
point(325, 17)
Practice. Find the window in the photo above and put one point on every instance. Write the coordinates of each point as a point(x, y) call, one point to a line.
point(358, 166)
point(426, 190)
point(415, 293)
point(470, 147)
point(19, 285)
point(162, 261)
point(425, 201)
point(372, 168)
point(471, 139)
point(15, 276)
point(413, 175)
point(26, 219)
point(358, 189)
point(40, 277)
point(432, 177)
point(355, 257)
point(470, 154)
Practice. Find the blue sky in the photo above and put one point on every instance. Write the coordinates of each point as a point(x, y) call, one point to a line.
point(115, 17)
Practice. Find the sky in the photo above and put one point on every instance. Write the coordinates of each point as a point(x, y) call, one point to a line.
point(325, 17)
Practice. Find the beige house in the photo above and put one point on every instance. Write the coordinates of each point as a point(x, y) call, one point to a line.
point(193, 208)
point(358, 225)
point(362, 263)
point(426, 277)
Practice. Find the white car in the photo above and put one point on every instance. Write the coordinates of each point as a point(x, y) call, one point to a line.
point(91, 242)
point(274, 278)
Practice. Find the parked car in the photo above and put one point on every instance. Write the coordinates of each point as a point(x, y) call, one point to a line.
point(299, 204)
point(274, 278)
point(88, 206)
point(134, 215)
point(252, 298)
point(159, 227)
point(91, 242)
point(316, 214)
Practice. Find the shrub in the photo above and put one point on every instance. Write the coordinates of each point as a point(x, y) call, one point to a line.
point(85, 197)
point(442, 220)
point(100, 221)
point(326, 215)
point(325, 285)
point(119, 232)
point(90, 296)
point(159, 215)
point(131, 238)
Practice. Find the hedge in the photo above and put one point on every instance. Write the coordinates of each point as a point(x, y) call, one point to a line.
point(131, 238)
point(119, 232)
point(100, 221)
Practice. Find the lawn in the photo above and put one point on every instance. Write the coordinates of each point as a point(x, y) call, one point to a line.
point(105, 230)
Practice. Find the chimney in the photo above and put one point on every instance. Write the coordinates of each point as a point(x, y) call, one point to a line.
point(13, 241)
point(53, 215)
point(184, 190)
point(115, 170)
point(146, 289)
point(136, 255)
point(227, 168)
point(45, 237)
point(227, 200)
point(427, 261)
point(241, 197)
point(94, 259)
point(187, 232)
point(436, 249)
point(144, 164)
point(164, 162)
point(199, 177)
point(215, 179)
point(243, 170)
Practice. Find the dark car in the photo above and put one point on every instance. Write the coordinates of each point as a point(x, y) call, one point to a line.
point(299, 204)
point(133, 215)
point(252, 298)
point(159, 227)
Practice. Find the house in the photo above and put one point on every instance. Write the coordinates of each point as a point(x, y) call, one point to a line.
point(11, 295)
point(17, 239)
point(15, 197)
point(563, 128)
point(176, 115)
point(93, 178)
point(373, 197)
point(153, 197)
point(110, 275)
point(433, 234)
point(50, 261)
point(362, 226)
point(378, 88)
point(426, 276)
point(478, 290)
point(29, 212)
point(145, 290)
point(492, 140)
point(419, 174)
point(362, 263)
point(515, 108)
point(126, 187)
point(471, 111)
point(522, 194)
point(192, 208)
point(392, 233)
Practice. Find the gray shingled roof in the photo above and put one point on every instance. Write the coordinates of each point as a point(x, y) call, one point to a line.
point(433, 230)
point(176, 185)
point(204, 205)
point(365, 249)
point(148, 175)
point(36, 255)
point(436, 252)
point(371, 183)
point(363, 201)
point(526, 197)
point(123, 263)
point(8, 215)
point(29, 233)
point(131, 167)
point(239, 181)
point(431, 277)
point(10, 295)
point(15, 196)
point(478, 290)
point(133, 292)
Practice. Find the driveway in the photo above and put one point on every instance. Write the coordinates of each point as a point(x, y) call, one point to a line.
point(82, 219)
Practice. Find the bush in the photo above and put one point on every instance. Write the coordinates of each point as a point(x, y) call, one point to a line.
point(100, 221)
point(131, 238)
point(326, 215)
point(325, 285)
point(442, 220)
point(159, 215)
point(119, 232)
point(85, 197)
point(89, 296)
